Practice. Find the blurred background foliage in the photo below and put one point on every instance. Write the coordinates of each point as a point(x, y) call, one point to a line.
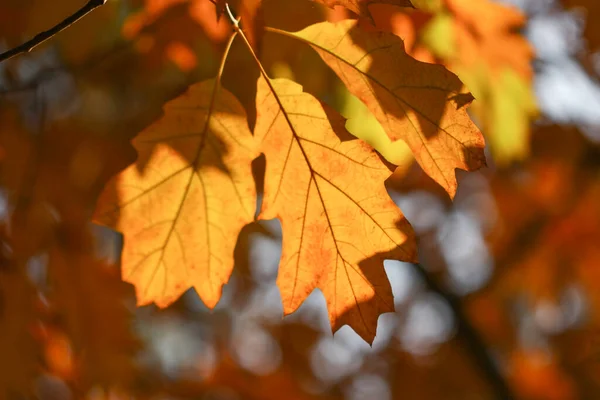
point(507, 302)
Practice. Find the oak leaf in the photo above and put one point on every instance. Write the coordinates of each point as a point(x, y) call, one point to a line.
point(479, 40)
point(338, 221)
point(422, 104)
point(180, 214)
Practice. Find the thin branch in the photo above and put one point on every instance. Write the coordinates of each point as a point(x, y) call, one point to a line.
point(43, 36)
point(471, 338)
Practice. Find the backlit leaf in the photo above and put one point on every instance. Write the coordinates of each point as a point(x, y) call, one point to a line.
point(338, 221)
point(422, 104)
point(183, 206)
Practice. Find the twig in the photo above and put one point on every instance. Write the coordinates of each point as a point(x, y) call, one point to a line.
point(43, 36)
point(471, 338)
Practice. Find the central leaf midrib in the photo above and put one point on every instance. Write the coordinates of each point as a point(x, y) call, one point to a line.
point(313, 172)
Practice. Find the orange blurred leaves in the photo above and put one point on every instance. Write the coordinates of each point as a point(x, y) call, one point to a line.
point(488, 32)
point(480, 41)
point(20, 352)
point(90, 297)
point(174, 29)
point(229, 377)
point(536, 376)
point(361, 7)
point(51, 177)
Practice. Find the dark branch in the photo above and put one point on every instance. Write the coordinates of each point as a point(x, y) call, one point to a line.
point(43, 36)
point(471, 339)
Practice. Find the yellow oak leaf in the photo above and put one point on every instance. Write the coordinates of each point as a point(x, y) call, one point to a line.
point(181, 208)
point(338, 221)
point(422, 104)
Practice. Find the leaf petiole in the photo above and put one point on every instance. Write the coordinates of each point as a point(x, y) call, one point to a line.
point(235, 21)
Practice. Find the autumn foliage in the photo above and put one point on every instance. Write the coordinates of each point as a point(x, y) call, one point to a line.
point(181, 181)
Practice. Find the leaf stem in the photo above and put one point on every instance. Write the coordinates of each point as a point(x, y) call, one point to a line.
point(275, 95)
point(235, 21)
point(218, 83)
point(225, 54)
point(41, 37)
point(268, 81)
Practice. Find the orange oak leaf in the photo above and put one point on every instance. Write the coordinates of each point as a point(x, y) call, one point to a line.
point(338, 221)
point(422, 104)
point(361, 7)
point(180, 215)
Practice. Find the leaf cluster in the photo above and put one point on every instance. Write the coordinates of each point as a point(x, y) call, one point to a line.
point(182, 205)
